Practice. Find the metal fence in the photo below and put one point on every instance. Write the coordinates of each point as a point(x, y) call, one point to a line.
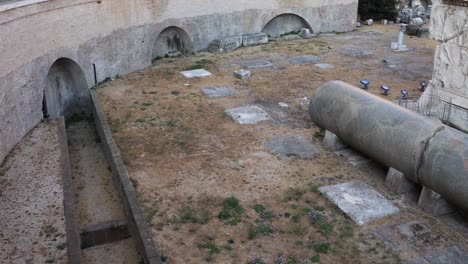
point(437, 107)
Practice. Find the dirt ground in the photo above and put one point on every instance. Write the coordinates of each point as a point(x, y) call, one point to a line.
point(32, 221)
point(210, 188)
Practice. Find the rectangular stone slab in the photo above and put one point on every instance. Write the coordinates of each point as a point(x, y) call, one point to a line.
point(359, 201)
point(218, 91)
point(196, 73)
point(257, 64)
point(248, 114)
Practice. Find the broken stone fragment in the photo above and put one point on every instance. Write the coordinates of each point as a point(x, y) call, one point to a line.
point(242, 74)
point(227, 44)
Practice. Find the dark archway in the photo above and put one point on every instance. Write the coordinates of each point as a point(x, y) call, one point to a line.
point(66, 92)
point(172, 41)
point(285, 24)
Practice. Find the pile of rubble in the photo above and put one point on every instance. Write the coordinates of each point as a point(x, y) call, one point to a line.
point(417, 17)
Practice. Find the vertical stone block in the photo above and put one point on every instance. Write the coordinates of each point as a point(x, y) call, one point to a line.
point(332, 142)
point(398, 183)
point(434, 203)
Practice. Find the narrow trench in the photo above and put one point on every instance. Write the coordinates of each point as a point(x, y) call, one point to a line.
point(105, 237)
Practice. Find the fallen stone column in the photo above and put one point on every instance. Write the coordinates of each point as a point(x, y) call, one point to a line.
point(424, 150)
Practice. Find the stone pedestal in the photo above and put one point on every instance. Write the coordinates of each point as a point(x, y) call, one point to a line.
point(434, 203)
point(332, 142)
point(398, 183)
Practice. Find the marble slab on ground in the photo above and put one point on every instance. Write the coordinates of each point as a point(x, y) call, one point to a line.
point(292, 146)
point(359, 201)
point(256, 64)
point(196, 73)
point(250, 114)
point(304, 59)
point(218, 91)
point(355, 158)
point(325, 66)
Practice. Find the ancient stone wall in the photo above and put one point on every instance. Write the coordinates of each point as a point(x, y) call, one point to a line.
point(449, 25)
point(109, 38)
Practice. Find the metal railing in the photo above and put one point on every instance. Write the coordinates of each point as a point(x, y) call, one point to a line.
point(437, 107)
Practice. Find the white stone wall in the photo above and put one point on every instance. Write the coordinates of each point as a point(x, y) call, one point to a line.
point(118, 36)
point(449, 26)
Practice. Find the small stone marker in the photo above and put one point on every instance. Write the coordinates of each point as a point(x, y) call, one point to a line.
point(359, 201)
point(324, 66)
point(254, 39)
point(257, 64)
point(218, 91)
point(292, 146)
point(248, 114)
point(196, 73)
point(242, 74)
point(304, 59)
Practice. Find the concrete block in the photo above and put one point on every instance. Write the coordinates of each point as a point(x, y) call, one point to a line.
point(218, 91)
point(398, 183)
point(384, 21)
point(242, 74)
point(256, 64)
point(304, 59)
point(227, 44)
point(359, 201)
point(254, 39)
point(292, 146)
point(325, 66)
point(369, 22)
point(434, 203)
point(196, 73)
point(332, 142)
point(248, 114)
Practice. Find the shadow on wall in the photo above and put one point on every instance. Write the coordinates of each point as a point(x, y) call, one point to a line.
point(66, 91)
point(172, 42)
point(285, 24)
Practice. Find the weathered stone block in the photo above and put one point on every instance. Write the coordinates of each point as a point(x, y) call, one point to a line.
point(196, 73)
point(359, 201)
point(434, 203)
point(248, 114)
point(227, 44)
point(242, 74)
point(398, 183)
point(292, 146)
point(254, 39)
point(332, 142)
point(218, 91)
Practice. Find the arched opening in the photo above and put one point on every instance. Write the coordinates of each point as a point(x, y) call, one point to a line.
point(66, 91)
point(285, 24)
point(172, 42)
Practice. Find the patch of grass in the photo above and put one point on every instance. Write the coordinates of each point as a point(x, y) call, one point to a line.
point(322, 247)
point(211, 247)
point(140, 120)
point(292, 259)
point(259, 229)
point(297, 230)
point(319, 208)
point(315, 259)
point(319, 134)
point(169, 75)
point(264, 213)
point(296, 218)
point(189, 214)
point(293, 194)
point(201, 64)
point(346, 229)
point(256, 260)
point(232, 211)
point(325, 229)
point(147, 104)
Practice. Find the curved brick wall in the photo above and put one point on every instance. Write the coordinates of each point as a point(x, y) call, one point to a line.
point(118, 37)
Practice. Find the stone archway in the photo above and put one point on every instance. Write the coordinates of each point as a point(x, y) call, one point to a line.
point(285, 24)
point(172, 41)
point(66, 92)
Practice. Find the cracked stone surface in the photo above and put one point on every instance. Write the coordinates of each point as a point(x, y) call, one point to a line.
point(196, 73)
point(292, 146)
point(248, 114)
point(219, 91)
point(359, 201)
